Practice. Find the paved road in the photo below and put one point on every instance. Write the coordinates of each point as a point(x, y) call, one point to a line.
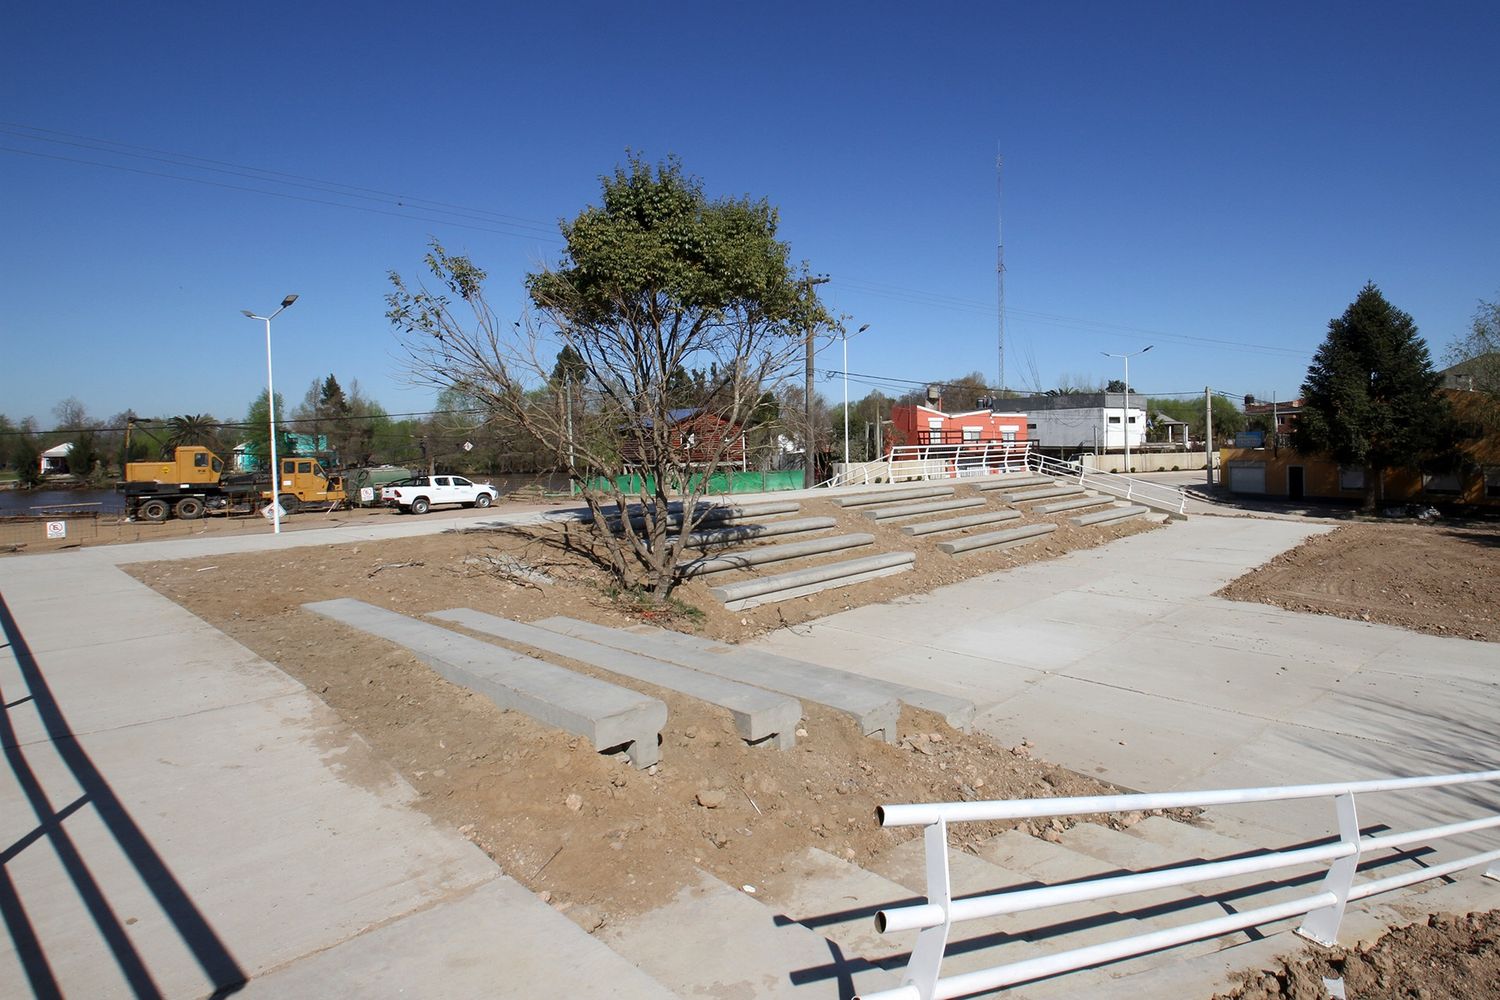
point(178, 815)
point(1119, 662)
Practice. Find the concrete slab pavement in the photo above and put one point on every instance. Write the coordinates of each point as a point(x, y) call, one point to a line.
point(178, 816)
point(1119, 662)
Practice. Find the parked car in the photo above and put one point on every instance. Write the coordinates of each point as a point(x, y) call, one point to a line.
point(422, 493)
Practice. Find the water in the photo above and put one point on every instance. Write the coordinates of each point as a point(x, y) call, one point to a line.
point(60, 501)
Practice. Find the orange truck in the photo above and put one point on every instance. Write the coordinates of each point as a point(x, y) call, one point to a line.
point(193, 483)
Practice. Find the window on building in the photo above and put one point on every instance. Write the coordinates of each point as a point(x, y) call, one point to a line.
point(1031, 427)
point(1351, 478)
point(1492, 481)
point(1114, 420)
point(1440, 482)
point(1132, 420)
point(972, 433)
point(934, 423)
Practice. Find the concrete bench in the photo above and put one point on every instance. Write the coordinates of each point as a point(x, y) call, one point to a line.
point(957, 712)
point(1011, 482)
point(873, 709)
point(731, 534)
point(954, 523)
point(998, 539)
point(1076, 504)
point(931, 507)
point(711, 515)
point(760, 716)
point(1049, 493)
point(1109, 516)
point(801, 582)
point(607, 715)
point(894, 496)
point(761, 555)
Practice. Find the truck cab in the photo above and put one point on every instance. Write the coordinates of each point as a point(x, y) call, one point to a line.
point(303, 480)
point(194, 465)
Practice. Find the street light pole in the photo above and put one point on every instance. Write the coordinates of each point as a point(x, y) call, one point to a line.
point(1125, 412)
point(846, 394)
point(271, 410)
point(807, 404)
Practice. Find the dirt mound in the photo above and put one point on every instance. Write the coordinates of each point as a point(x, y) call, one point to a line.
point(1435, 578)
point(1447, 958)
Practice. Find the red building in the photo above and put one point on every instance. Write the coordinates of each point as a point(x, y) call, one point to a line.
point(698, 438)
point(916, 424)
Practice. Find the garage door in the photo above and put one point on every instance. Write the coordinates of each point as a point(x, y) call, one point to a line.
point(1247, 477)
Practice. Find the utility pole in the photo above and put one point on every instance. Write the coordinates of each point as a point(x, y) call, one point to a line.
point(807, 403)
point(1208, 434)
point(1125, 411)
point(1000, 270)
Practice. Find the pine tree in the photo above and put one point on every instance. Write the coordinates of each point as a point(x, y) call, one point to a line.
point(1370, 397)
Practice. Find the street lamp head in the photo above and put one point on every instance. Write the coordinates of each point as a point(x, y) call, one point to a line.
point(247, 312)
point(861, 329)
point(1143, 350)
point(293, 298)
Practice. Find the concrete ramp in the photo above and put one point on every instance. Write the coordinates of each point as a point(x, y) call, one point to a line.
point(759, 715)
point(607, 715)
point(874, 710)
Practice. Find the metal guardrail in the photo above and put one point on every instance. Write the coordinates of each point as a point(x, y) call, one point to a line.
point(1324, 909)
point(1159, 495)
point(937, 461)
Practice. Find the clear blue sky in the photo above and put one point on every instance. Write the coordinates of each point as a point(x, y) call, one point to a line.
point(1226, 172)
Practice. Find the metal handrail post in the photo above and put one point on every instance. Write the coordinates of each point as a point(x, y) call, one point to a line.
point(1322, 925)
point(926, 963)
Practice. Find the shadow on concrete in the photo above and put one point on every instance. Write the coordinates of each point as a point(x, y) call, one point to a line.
point(207, 949)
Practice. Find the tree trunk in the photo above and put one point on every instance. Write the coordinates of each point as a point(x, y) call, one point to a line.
point(1374, 480)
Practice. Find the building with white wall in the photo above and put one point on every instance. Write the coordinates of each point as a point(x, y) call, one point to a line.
point(1097, 421)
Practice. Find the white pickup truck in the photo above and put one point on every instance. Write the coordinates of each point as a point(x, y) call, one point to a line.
point(421, 494)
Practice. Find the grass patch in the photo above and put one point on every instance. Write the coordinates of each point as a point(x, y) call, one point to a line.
point(642, 604)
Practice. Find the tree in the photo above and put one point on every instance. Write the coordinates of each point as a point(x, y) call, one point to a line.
point(1370, 397)
point(1228, 420)
point(656, 281)
point(1117, 385)
point(190, 429)
point(1478, 351)
point(257, 432)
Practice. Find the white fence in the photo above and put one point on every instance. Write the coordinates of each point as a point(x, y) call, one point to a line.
point(986, 458)
point(1324, 909)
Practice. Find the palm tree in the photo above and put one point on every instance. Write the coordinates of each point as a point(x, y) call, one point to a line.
point(191, 429)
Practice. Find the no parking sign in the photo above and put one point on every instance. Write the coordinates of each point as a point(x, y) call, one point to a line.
point(57, 529)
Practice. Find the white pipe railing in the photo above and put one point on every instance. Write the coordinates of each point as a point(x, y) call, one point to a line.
point(1125, 487)
point(1323, 910)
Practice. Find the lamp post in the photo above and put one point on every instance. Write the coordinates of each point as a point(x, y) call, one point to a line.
point(846, 394)
point(271, 410)
point(1125, 423)
point(807, 403)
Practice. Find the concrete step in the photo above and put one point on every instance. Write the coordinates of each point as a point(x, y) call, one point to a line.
point(1078, 503)
point(756, 591)
point(736, 533)
point(763, 554)
point(1047, 493)
point(872, 706)
point(1109, 516)
point(957, 712)
point(839, 900)
point(607, 715)
point(893, 496)
point(712, 515)
point(713, 940)
point(760, 716)
point(998, 539)
point(955, 523)
point(1012, 482)
point(883, 513)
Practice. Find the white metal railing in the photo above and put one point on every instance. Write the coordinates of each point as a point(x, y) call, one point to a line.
point(1323, 909)
point(1158, 495)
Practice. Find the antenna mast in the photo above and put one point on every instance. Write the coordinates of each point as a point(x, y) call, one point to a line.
point(1000, 267)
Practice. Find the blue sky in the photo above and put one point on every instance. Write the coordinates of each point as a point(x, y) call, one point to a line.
point(1217, 180)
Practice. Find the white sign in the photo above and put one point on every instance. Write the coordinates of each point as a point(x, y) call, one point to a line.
point(270, 511)
point(468, 446)
point(367, 494)
point(57, 529)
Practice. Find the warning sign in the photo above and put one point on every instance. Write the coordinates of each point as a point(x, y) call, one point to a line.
point(57, 529)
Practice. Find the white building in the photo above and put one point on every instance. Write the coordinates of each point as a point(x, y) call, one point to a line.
point(55, 459)
point(1098, 421)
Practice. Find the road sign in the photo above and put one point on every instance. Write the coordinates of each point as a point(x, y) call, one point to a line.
point(57, 529)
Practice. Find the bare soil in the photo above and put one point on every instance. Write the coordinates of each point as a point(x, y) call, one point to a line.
point(1442, 579)
point(1447, 958)
point(599, 839)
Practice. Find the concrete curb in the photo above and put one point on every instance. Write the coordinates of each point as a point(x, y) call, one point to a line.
point(606, 714)
point(998, 539)
point(759, 715)
point(772, 553)
point(873, 709)
point(954, 523)
point(1046, 494)
point(784, 586)
point(913, 510)
point(749, 532)
point(1011, 482)
point(1081, 502)
point(894, 496)
point(1108, 516)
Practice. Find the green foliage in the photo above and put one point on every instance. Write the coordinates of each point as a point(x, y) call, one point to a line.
point(1370, 396)
point(1228, 419)
point(26, 457)
point(257, 431)
point(1478, 351)
point(192, 429)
